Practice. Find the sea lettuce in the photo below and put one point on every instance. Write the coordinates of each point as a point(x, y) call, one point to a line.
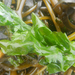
point(59, 52)
point(10, 18)
point(55, 47)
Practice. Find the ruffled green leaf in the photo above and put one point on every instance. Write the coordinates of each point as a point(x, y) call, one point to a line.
point(10, 18)
point(57, 50)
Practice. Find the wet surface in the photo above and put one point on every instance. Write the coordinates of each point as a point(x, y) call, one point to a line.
point(29, 3)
